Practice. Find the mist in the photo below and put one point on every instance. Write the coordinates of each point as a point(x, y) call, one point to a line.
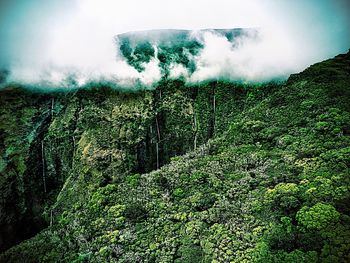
point(256, 56)
point(52, 42)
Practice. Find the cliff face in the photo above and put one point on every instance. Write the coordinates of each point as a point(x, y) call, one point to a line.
point(220, 171)
point(96, 136)
point(24, 121)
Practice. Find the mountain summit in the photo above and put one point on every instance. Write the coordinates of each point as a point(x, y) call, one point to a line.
point(172, 48)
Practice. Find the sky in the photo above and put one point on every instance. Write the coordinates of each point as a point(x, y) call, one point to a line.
point(37, 36)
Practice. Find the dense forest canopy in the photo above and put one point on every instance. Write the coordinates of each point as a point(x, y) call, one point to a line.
point(174, 131)
point(212, 172)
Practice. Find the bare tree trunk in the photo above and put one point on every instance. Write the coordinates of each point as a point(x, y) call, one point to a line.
point(73, 137)
point(43, 164)
point(157, 150)
point(51, 220)
point(214, 109)
point(52, 105)
point(158, 141)
point(195, 130)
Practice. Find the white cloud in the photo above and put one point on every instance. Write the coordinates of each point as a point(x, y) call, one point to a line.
point(178, 70)
point(78, 39)
point(253, 56)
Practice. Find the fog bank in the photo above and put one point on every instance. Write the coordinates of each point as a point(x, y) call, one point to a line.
point(55, 42)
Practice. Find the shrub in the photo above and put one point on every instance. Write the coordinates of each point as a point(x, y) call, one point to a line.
point(135, 212)
point(317, 217)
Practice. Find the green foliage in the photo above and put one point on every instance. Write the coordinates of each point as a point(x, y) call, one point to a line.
point(285, 196)
point(261, 175)
point(133, 180)
point(178, 193)
point(135, 212)
point(318, 217)
point(189, 252)
point(141, 53)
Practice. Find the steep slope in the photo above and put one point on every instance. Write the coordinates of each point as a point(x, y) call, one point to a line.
point(48, 139)
point(23, 123)
point(271, 185)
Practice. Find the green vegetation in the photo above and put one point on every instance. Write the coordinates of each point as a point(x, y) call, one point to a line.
point(172, 47)
point(246, 173)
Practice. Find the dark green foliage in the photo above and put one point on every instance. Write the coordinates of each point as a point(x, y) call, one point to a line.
point(261, 175)
point(170, 47)
point(142, 53)
point(189, 252)
point(135, 212)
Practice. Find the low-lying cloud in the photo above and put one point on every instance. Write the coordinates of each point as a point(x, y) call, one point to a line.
point(255, 56)
point(74, 44)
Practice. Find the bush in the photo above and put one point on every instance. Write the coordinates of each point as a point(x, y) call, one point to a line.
point(135, 212)
point(318, 217)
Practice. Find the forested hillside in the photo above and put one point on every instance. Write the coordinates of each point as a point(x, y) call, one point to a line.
point(212, 172)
